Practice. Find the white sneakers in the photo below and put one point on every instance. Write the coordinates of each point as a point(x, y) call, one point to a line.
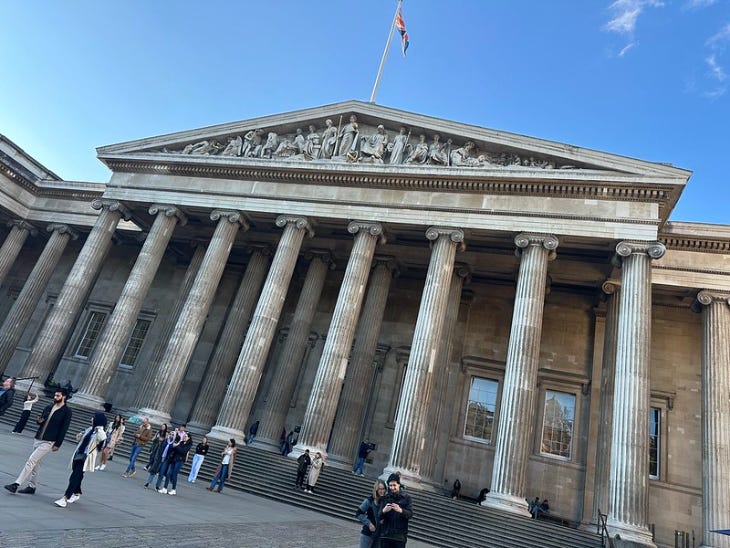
point(172, 492)
point(63, 502)
point(162, 490)
point(102, 467)
point(73, 498)
point(60, 502)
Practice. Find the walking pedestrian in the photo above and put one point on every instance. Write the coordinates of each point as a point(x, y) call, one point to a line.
point(30, 399)
point(7, 394)
point(225, 468)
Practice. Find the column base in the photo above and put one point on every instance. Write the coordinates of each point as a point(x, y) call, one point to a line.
point(223, 433)
point(198, 428)
point(155, 416)
point(298, 450)
point(88, 401)
point(272, 446)
point(507, 503)
point(629, 536)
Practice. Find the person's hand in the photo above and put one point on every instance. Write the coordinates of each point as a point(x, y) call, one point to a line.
point(371, 527)
point(55, 448)
point(388, 507)
point(396, 507)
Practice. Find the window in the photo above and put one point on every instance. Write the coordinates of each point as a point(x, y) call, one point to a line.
point(557, 424)
point(135, 343)
point(94, 323)
point(655, 424)
point(480, 409)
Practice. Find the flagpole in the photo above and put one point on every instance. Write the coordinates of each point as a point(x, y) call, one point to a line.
point(385, 54)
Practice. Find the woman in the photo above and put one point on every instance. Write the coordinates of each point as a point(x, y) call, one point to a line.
point(156, 441)
point(226, 466)
point(367, 514)
point(30, 399)
point(83, 459)
point(159, 458)
point(314, 470)
point(177, 456)
point(113, 436)
point(200, 451)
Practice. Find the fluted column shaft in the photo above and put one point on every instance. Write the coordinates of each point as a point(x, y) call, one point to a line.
point(629, 477)
point(517, 411)
point(145, 390)
point(166, 384)
point(715, 416)
point(283, 383)
point(12, 245)
point(113, 339)
point(23, 307)
point(351, 408)
point(322, 405)
point(62, 317)
point(409, 438)
point(241, 390)
point(220, 368)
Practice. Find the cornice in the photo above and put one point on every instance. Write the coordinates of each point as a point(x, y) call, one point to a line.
point(695, 243)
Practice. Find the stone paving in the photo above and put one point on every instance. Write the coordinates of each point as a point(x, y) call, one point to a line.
point(118, 512)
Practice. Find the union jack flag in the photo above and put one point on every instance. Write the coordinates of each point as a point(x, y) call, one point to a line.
point(401, 26)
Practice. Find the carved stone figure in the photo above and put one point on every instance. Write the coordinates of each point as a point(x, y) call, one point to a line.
point(299, 142)
point(462, 156)
point(348, 136)
point(201, 147)
point(329, 140)
point(268, 148)
point(373, 147)
point(398, 147)
point(419, 154)
point(437, 151)
point(233, 148)
point(252, 143)
point(311, 145)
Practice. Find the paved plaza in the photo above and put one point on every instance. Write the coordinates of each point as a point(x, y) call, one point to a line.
point(118, 512)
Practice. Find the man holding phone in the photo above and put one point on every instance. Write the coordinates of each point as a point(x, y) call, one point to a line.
point(394, 513)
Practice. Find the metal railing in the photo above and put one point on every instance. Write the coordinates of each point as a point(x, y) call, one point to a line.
point(603, 530)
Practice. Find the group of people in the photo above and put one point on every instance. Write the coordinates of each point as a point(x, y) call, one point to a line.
point(309, 467)
point(536, 507)
point(385, 514)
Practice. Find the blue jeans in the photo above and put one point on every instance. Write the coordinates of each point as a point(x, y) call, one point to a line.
point(220, 478)
point(162, 472)
point(173, 469)
point(358, 466)
point(136, 450)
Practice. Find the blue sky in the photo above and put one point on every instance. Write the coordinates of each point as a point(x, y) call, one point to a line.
point(641, 78)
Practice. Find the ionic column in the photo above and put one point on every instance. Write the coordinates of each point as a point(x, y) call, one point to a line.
point(113, 339)
point(23, 307)
point(13, 244)
point(351, 408)
point(213, 386)
point(715, 416)
point(411, 430)
point(165, 386)
point(517, 412)
point(629, 477)
point(241, 390)
point(62, 317)
point(283, 383)
point(322, 405)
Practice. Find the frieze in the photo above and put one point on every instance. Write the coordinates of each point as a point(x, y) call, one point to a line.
point(695, 244)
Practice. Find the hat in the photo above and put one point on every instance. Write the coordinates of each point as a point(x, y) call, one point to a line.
point(99, 419)
point(395, 478)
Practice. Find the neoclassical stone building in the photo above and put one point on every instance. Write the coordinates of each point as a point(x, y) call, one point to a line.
point(516, 313)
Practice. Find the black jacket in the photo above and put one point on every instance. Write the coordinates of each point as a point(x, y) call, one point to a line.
point(6, 400)
point(57, 426)
point(394, 526)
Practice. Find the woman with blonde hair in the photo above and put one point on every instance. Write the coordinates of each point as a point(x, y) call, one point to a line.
point(367, 514)
point(114, 434)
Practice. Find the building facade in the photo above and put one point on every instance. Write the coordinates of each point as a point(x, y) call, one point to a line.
point(512, 312)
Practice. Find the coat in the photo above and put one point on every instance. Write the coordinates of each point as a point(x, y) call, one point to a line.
point(317, 465)
point(394, 526)
point(6, 400)
point(91, 449)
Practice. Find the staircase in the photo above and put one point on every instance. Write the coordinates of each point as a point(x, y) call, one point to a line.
point(437, 519)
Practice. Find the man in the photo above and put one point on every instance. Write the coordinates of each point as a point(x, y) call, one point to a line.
point(53, 425)
point(393, 515)
point(362, 454)
point(141, 437)
point(303, 463)
point(7, 394)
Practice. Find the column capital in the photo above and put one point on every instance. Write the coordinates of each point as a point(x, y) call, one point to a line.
point(389, 262)
point(526, 239)
point(456, 235)
point(707, 297)
point(169, 211)
point(464, 271)
point(301, 223)
point(374, 229)
point(112, 205)
point(324, 255)
point(655, 250)
point(23, 225)
point(609, 287)
point(230, 216)
point(62, 228)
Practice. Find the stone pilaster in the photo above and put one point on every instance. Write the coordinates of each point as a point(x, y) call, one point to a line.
point(244, 383)
point(166, 384)
point(62, 318)
point(23, 307)
point(220, 368)
point(13, 244)
point(517, 412)
point(629, 476)
point(283, 383)
point(350, 413)
point(411, 430)
point(322, 405)
point(113, 339)
point(715, 416)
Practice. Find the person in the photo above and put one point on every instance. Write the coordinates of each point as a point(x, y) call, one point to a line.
point(348, 135)
point(373, 146)
point(394, 513)
point(329, 140)
point(303, 462)
point(398, 147)
point(159, 460)
point(176, 458)
point(114, 434)
point(7, 395)
point(174, 439)
point(141, 437)
point(288, 444)
point(532, 505)
point(367, 514)
point(30, 399)
point(200, 451)
point(252, 431)
point(456, 489)
point(362, 454)
point(53, 424)
point(314, 471)
point(225, 468)
point(482, 495)
point(84, 458)
point(539, 508)
point(156, 441)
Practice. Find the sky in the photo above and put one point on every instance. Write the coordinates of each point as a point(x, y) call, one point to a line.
point(647, 79)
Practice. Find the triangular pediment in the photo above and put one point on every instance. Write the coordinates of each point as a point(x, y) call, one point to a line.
point(356, 133)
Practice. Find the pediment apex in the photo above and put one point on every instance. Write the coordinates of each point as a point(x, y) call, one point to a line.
point(424, 140)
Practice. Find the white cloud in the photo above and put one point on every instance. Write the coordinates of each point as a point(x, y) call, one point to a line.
point(699, 4)
point(626, 13)
point(716, 70)
point(720, 38)
point(626, 49)
point(715, 93)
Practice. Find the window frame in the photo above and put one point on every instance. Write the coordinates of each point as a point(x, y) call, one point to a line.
point(570, 457)
point(141, 318)
point(83, 329)
point(495, 412)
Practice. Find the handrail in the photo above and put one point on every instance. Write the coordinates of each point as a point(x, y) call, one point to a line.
point(603, 529)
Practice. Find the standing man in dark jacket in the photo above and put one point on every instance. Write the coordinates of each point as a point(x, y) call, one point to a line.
point(303, 463)
point(7, 394)
point(394, 513)
point(54, 422)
